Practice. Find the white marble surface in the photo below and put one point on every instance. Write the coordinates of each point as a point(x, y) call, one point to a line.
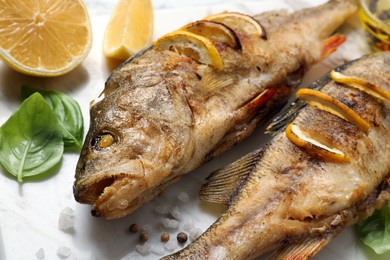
point(29, 212)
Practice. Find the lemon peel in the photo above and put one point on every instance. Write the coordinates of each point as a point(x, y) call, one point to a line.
point(361, 84)
point(240, 22)
point(197, 47)
point(330, 104)
point(300, 138)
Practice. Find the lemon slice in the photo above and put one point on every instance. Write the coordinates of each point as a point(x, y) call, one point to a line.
point(129, 29)
point(215, 32)
point(44, 38)
point(197, 47)
point(300, 138)
point(332, 105)
point(361, 84)
point(240, 22)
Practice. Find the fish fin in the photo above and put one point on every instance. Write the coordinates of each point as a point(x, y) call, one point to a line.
point(304, 249)
point(212, 83)
point(244, 124)
point(287, 116)
point(223, 184)
point(289, 112)
point(330, 44)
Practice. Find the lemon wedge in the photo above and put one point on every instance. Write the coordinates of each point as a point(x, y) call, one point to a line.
point(302, 139)
point(239, 22)
point(197, 47)
point(215, 32)
point(129, 29)
point(327, 103)
point(361, 84)
point(44, 38)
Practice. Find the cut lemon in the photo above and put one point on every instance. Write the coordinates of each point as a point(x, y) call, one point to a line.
point(239, 22)
point(129, 29)
point(361, 84)
point(44, 38)
point(197, 47)
point(302, 139)
point(215, 32)
point(327, 103)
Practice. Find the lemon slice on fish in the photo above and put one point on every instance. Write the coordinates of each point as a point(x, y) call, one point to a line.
point(361, 84)
point(327, 103)
point(301, 138)
point(197, 47)
point(129, 29)
point(239, 22)
point(44, 38)
point(215, 32)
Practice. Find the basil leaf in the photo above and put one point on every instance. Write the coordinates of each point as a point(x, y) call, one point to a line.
point(375, 230)
point(68, 113)
point(31, 139)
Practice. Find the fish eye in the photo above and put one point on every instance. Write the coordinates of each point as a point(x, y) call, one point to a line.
point(103, 140)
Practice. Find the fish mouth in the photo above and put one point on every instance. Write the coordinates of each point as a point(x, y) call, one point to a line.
point(117, 192)
point(113, 191)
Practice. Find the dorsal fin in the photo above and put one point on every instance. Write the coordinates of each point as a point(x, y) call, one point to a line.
point(304, 249)
point(288, 114)
point(223, 184)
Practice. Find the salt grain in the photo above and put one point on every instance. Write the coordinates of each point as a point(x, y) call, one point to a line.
point(143, 249)
point(40, 254)
point(148, 228)
point(162, 209)
point(170, 223)
point(195, 233)
point(63, 251)
point(188, 224)
point(66, 219)
point(175, 212)
point(183, 197)
point(158, 249)
point(68, 210)
point(171, 245)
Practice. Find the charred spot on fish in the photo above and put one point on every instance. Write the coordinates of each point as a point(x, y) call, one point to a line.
point(104, 140)
point(258, 68)
point(198, 76)
point(349, 103)
point(295, 78)
point(290, 169)
point(95, 213)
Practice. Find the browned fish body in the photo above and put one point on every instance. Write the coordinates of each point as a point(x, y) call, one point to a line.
point(288, 198)
point(163, 114)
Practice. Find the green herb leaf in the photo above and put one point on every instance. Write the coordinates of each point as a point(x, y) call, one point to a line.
point(68, 113)
point(375, 231)
point(31, 140)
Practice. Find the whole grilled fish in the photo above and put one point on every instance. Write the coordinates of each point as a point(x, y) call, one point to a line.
point(287, 198)
point(163, 114)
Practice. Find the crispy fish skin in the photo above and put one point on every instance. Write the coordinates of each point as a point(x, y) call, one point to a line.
point(295, 201)
point(167, 114)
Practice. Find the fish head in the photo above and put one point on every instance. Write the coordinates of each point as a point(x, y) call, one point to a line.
point(132, 148)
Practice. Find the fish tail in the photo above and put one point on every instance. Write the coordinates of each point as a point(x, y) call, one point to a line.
point(323, 20)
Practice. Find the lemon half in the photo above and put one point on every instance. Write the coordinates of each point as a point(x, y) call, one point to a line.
point(44, 38)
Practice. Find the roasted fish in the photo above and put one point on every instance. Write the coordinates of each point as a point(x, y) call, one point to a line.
point(321, 173)
point(193, 95)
